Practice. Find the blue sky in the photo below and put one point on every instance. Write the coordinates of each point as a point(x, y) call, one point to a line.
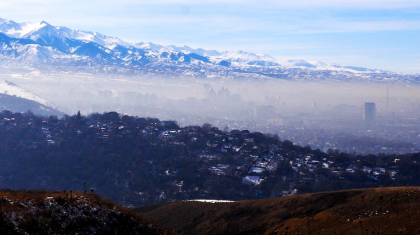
point(382, 34)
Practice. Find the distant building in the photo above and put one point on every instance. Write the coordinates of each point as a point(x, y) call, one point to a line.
point(369, 113)
point(105, 94)
point(264, 112)
point(275, 122)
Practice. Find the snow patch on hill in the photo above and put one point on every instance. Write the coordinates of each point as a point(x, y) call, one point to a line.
point(11, 89)
point(210, 201)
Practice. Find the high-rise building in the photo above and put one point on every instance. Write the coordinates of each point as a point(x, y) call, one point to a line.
point(369, 113)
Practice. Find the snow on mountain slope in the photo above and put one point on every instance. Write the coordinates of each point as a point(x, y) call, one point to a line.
point(43, 46)
point(199, 51)
point(43, 31)
point(148, 46)
point(48, 34)
point(17, 30)
point(98, 38)
point(34, 31)
point(11, 89)
point(241, 56)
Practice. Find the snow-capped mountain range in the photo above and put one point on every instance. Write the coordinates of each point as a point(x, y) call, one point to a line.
point(47, 47)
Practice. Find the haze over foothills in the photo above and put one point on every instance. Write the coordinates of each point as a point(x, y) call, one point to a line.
point(299, 69)
point(380, 34)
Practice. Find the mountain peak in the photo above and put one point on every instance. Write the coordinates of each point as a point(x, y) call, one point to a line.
point(44, 24)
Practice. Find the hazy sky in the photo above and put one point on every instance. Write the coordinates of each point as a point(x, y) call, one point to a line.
point(381, 34)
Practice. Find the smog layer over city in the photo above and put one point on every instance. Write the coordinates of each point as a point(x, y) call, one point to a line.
point(321, 114)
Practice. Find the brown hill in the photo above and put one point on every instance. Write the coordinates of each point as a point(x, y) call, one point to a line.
point(361, 211)
point(40, 212)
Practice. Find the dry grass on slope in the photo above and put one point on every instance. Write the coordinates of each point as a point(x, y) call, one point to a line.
point(363, 211)
point(40, 212)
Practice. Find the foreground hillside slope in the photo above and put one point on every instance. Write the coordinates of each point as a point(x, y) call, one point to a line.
point(362, 211)
point(40, 212)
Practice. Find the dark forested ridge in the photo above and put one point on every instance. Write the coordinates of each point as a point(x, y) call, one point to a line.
point(137, 161)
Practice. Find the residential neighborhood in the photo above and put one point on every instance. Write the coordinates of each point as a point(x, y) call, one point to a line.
point(137, 161)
